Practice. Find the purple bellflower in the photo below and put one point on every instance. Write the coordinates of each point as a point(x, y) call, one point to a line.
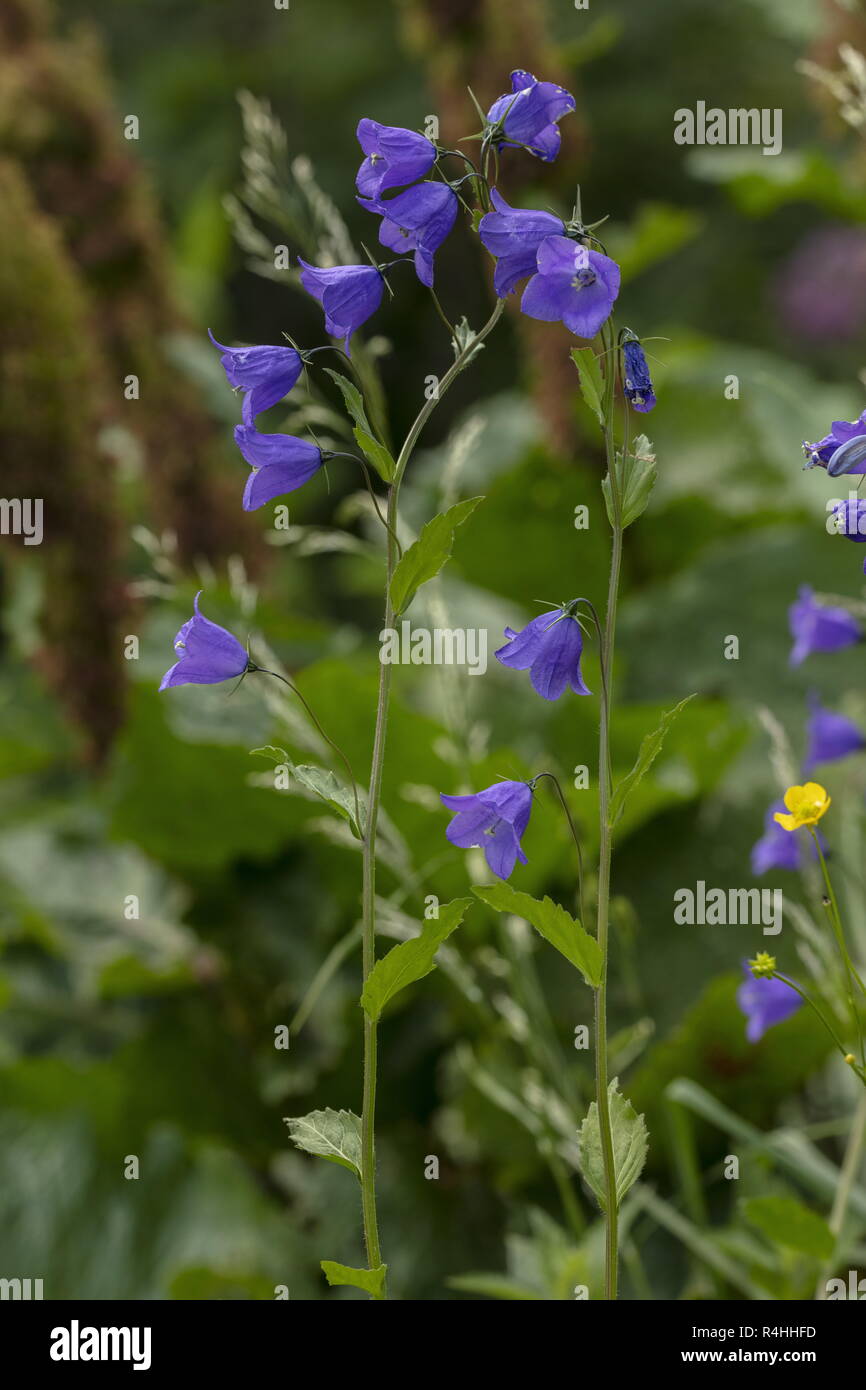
point(850, 519)
point(636, 380)
point(349, 294)
point(777, 848)
point(494, 820)
point(513, 236)
point(573, 284)
point(765, 1002)
point(265, 373)
point(843, 450)
point(281, 463)
point(528, 115)
point(831, 736)
point(550, 648)
point(207, 653)
point(818, 627)
point(418, 220)
point(392, 157)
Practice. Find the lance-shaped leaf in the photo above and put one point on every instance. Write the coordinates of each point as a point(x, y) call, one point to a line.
point(373, 449)
point(372, 1281)
point(591, 381)
point(426, 556)
point(649, 750)
point(411, 960)
point(317, 782)
point(630, 1139)
point(552, 922)
point(331, 1134)
point(637, 474)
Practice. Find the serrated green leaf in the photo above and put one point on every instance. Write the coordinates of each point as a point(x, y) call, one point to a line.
point(630, 1141)
point(331, 1134)
point(352, 398)
point(552, 922)
point(785, 1221)
point(321, 783)
point(637, 475)
point(426, 556)
point(591, 381)
point(649, 750)
point(375, 453)
point(411, 960)
point(372, 1281)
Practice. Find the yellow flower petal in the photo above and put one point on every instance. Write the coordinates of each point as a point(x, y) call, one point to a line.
point(786, 822)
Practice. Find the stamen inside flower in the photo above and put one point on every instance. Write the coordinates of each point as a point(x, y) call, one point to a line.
point(583, 278)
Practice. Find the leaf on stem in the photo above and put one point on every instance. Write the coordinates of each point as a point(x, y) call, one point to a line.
point(552, 922)
point(426, 556)
point(331, 1134)
point(630, 1141)
point(637, 474)
point(591, 381)
point(411, 960)
point(649, 750)
point(372, 1281)
point(373, 450)
point(318, 782)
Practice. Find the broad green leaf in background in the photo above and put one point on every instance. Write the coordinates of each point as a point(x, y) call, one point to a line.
point(411, 960)
point(785, 1221)
point(372, 1281)
point(649, 750)
point(591, 382)
point(426, 556)
point(630, 1140)
point(319, 782)
point(637, 476)
point(552, 922)
point(331, 1134)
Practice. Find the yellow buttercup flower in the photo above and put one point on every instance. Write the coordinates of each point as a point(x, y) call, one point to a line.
point(806, 804)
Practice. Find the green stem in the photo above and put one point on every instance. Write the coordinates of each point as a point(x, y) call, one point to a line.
point(368, 939)
point(605, 851)
point(836, 923)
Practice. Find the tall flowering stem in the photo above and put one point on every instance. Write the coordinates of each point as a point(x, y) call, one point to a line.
point(368, 1113)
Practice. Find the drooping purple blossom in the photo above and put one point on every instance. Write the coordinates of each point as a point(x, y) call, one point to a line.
point(417, 220)
point(550, 648)
point(281, 463)
point(265, 373)
point(830, 736)
point(819, 627)
point(765, 1002)
point(513, 236)
point(528, 115)
point(777, 848)
point(843, 450)
point(636, 380)
point(494, 820)
point(573, 284)
point(850, 519)
point(207, 653)
point(392, 157)
point(349, 294)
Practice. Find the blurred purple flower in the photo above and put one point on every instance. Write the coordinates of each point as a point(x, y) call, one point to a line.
point(550, 648)
point(821, 291)
point(840, 451)
point(573, 284)
point(265, 373)
point(818, 627)
point(513, 236)
point(777, 848)
point(349, 294)
point(527, 115)
point(636, 380)
point(831, 736)
point(418, 220)
point(765, 1002)
point(393, 156)
point(281, 463)
point(207, 653)
point(493, 819)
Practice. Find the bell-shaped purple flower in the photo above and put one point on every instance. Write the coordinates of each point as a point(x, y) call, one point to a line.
point(392, 157)
point(850, 518)
point(819, 627)
point(349, 294)
point(207, 653)
point(549, 648)
point(281, 463)
point(528, 115)
point(417, 220)
point(831, 736)
point(265, 373)
point(777, 848)
point(513, 236)
point(765, 1002)
point(573, 284)
point(494, 820)
point(843, 450)
point(636, 380)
